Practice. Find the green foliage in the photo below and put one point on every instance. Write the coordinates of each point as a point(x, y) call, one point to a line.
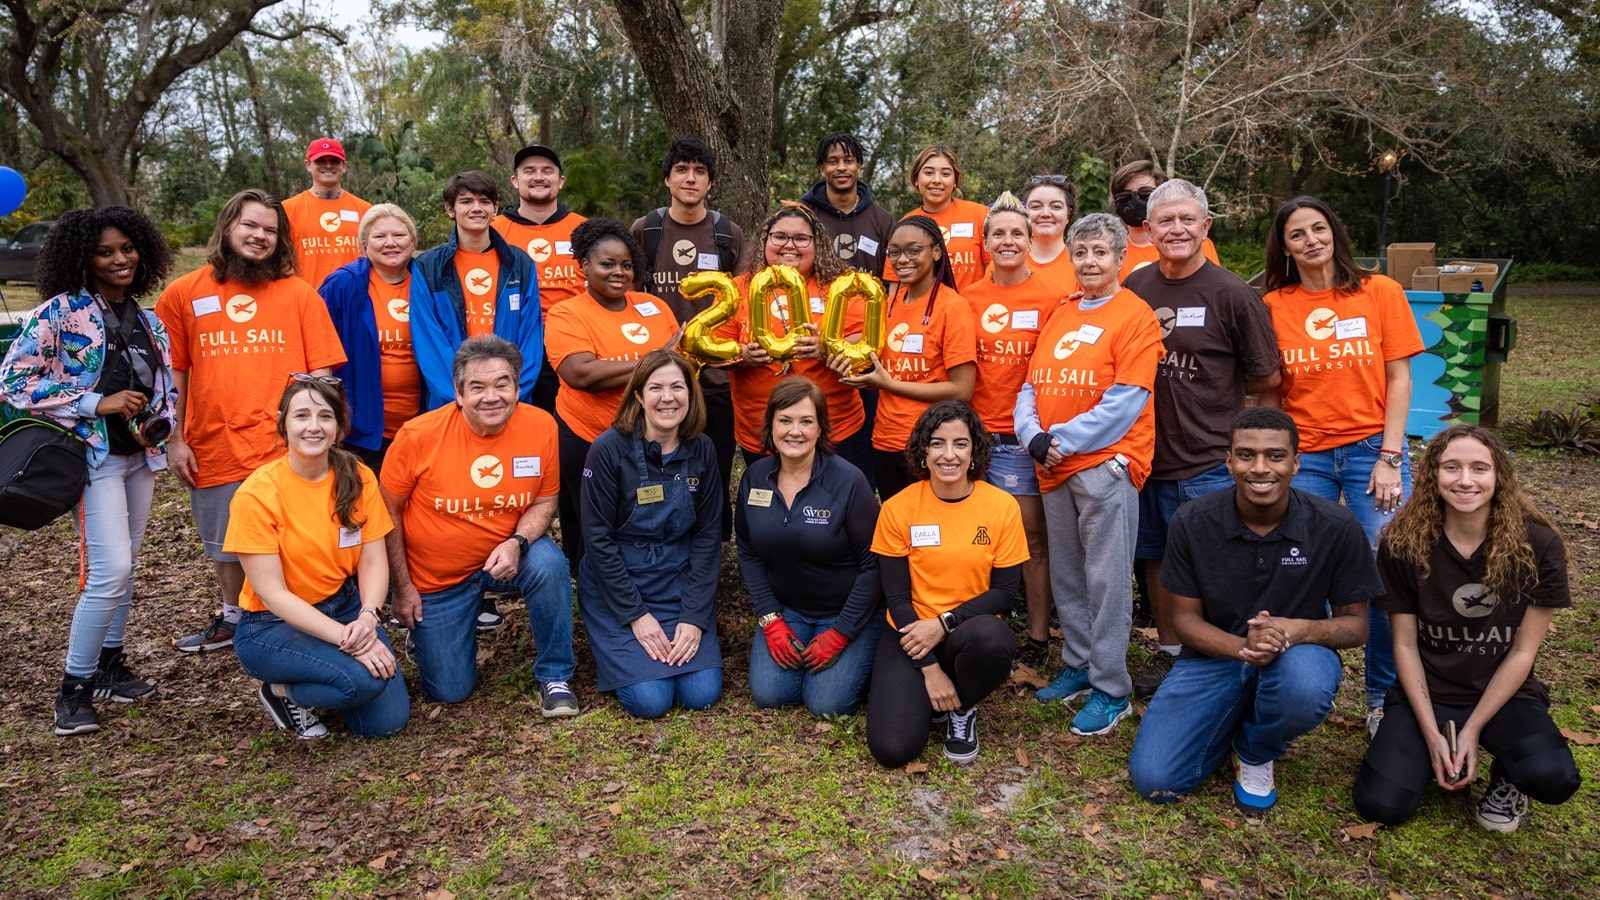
point(1536, 272)
point(1576, 429)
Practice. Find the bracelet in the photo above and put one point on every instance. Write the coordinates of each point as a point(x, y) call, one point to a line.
point(1387, 450)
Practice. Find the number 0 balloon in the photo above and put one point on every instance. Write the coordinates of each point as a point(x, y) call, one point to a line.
point(840, 293)
point(784, 280)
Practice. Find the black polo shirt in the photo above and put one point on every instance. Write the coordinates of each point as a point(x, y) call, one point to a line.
point(1317, 557)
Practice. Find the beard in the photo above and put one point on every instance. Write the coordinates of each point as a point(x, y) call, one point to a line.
point(250, 271)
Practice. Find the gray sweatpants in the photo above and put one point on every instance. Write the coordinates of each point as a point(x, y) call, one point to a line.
point(1093, 523)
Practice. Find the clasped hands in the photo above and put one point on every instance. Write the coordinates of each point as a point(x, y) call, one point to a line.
point(1267, 639)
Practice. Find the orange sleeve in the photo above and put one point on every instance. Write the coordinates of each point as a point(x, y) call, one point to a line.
point(1401, 338)
point(891, 537)
point(400, 463)
point(1139, 348)
point(1012, 546)
point(563, 336)
point(374, 513)
point(169, 309)
point(254, 521)
point(317, 334)
point(960, 335)
point(1209, 250)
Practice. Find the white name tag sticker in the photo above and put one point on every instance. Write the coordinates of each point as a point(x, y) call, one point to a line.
point(818, 306)
point(526, 466)
point(647, 308)
point(563, 248)
point(349, 215)
point(961, 229)
point(1025, 318)
point(760, 497)
point(205, 306)
point(709, 262)
point(1348, 329)
point(516, 301)
point(1190, 317)
point(924, 535)
point(911, 343)
point(1089, 334)
point(349, 537)
point(866, 245)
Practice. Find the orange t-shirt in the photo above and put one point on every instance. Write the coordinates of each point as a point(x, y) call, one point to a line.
point(1008, 319)
point(952, 547)
point(240, 343)
point(961, 224)
point(1138, 257)
point(464, 492)
point(1082, 354)
point(324, 232)
point(1334, 348)
point(276, 511)
point(584, 326)
point(1058, 273)
point(550, 245)
point(921, 347)
point(477, 271)
point(397, 363)
point(752, 384)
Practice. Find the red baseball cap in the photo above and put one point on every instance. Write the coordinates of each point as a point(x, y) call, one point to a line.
point(324, 146)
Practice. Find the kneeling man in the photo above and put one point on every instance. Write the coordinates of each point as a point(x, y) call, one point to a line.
point(472, 488)
point(1253, 573)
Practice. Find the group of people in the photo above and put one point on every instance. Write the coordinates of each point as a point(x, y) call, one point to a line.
point(1060, 401)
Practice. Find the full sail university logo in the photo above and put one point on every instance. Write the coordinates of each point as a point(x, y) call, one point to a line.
point(487, 471)
point(1322, 322)
point(1474, 601)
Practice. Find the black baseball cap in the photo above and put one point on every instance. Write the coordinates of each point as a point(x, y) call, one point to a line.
point(535, 150)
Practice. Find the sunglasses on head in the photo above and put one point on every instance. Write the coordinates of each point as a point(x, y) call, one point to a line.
point(1048, 179)
point(331, 380)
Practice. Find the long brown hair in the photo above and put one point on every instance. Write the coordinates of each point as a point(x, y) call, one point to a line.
point(346, 466)
point(1281, 271)
point(630, 413)
point(219, 252)
point(1419, 525)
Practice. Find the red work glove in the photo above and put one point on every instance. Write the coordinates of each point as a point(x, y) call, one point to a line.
point(823, 651)
point(783, 645)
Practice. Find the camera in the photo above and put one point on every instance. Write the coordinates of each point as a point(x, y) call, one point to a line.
point(149, 427)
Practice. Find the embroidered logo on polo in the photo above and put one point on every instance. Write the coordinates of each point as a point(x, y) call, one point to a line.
point(816, 515)
point(982, 537)
point(241, 308)
point(693, 481)
point(1321, 323)
point(487, 471)
point(1474, 601)
point(1295, 558)
point(479, 282)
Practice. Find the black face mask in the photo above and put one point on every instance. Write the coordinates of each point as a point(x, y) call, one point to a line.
point(1132, 210)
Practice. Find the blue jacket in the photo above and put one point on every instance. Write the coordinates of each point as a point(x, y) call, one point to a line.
point(350, 306)
point(439, 317)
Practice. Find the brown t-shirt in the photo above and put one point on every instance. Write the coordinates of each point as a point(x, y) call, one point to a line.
point(685, 250)
point(1464, 630)
point(1216, 332)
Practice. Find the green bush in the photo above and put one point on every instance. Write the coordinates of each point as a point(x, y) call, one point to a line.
point(1539, 272)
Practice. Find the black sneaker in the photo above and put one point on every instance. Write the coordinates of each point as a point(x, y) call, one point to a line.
point(75, 707)
point(1501, 808)
point(557, 699)
point(1034, 653)
point(489, 618)
point(1154, 672)
point(291, 716)
point(961, 737)
point(216, 636)
point(113, 680)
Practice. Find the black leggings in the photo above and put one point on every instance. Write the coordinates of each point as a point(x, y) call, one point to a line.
point(976, 656)
point(573, 451)
point(891, 472)
point(1528, 749)
point(719, 425)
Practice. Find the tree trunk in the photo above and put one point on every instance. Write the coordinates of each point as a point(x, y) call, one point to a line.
point(269, 160)
point(727, 102)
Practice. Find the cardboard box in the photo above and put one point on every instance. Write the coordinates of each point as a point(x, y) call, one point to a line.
point(1460, 282)
point(1426, 278)
point(1405, 259)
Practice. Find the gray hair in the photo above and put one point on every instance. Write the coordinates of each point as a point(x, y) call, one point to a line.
point(384, 211)
point(483, 348)
point(1104, 226)
point(1173, 191)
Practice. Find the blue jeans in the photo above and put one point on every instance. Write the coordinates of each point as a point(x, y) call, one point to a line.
point(318, 674)
point(446, 639)
point(1160, 498)
point(653, 699)
point(1208, 705)
point(1343, 473)
point(835, 691)
point(115, 509)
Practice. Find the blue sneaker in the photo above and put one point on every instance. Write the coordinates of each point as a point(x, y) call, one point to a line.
point(1069, 685)
point(1100, 714)
point(1253, 790)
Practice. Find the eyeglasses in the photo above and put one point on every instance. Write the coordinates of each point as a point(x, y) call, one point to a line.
point(1144, 192)
point(798, 241)
point(330, 380)
point(911, 252)
point(1048, 179)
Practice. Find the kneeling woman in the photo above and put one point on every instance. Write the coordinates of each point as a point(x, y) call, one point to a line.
point(804, 522)
point(652, 531)
point(308, 528)
point(1473, 573)
point(950, 551)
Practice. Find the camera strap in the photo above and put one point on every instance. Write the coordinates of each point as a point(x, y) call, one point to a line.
point(144, 378)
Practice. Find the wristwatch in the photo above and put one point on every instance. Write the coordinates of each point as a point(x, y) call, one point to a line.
point(522, 543)
point(1392, 457)
point(377, 613)
point(948, 620)
point(767, 619)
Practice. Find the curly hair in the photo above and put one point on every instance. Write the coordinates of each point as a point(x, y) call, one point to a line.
point(64, 260)
point(827, 265)
point(219, 252)
point(1419, 525)
point(346, 466)
point(938, 414)
point(1281, 271)
point(589, 235)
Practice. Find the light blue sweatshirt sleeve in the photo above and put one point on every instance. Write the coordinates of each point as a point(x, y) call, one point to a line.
point(1105, 424)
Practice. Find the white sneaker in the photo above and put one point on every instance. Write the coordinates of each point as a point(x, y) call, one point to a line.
point(1374, 719)
point(1253, 788)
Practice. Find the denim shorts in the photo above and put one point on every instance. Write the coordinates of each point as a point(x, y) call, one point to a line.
point(1011, 470)
point(1161, 497)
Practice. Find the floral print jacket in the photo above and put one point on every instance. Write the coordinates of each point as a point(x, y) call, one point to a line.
point(54, 365)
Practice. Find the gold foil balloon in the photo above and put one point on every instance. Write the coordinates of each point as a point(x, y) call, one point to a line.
point(784, 280)
point(845, 288)
point(700, 335)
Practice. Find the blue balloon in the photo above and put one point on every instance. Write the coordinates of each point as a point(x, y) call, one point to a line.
point(12, 190)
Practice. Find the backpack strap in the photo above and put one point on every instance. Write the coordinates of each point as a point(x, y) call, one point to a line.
point(652, 240)
point(722, 231)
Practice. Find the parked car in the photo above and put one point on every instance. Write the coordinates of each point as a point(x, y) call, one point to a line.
point(19, 253)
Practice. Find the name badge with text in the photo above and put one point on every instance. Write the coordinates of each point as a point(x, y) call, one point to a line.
point(961, 229)
point(1025, 318)
point(205, 306)
point(651, 493)
point(709, 262)
point(760, 497)
point(647, 308)
point(1348, 329)
point(516, 301)
point(349, 537)
point(563, 248)
point(1191, 317)
point(349, 215)
point(1089, 334)
point(866, 245)
point(924, 535)
point(526, 466)
point(911, 343)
